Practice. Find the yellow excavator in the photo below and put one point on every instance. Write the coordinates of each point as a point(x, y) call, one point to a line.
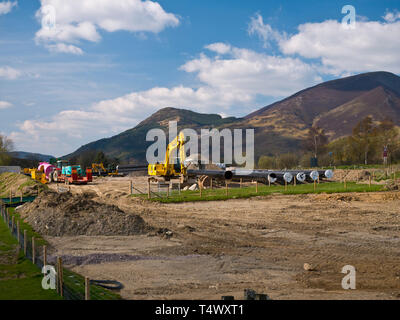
point(170, 169)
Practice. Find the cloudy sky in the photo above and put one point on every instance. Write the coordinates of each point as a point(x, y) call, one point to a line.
point(79, 70)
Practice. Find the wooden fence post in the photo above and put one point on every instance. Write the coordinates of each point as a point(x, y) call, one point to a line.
point(33, 250)
point(61, 278)
point(148, 189)
point(256, 186)
point(44, 255)
point(87, 288)
point(315, 185)
point(241, 182)
point(211, 183)
point(19, 242)
point(25, 241)
point(168, 189)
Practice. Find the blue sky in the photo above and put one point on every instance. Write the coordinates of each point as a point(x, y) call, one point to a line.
point(100, 68)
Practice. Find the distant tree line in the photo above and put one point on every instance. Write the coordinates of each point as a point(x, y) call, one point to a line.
point(86, 158)
point(364, 146)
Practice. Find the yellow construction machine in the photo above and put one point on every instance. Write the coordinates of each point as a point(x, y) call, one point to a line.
point(38, 175)
point(98, 169)
point(170, 168)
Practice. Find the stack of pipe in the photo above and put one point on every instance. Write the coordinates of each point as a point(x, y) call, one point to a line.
point(125, 169)
point(272, 176)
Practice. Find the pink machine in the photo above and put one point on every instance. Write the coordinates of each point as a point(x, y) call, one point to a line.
point(47, 168)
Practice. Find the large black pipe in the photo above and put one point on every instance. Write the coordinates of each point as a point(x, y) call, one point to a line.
point(212, 173)
point(131, 168)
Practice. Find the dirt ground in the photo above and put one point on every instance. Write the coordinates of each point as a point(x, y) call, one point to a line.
point(222, 248)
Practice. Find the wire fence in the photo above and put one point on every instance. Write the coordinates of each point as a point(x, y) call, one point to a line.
point(70, 285)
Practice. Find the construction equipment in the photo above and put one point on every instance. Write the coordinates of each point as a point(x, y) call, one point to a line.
point(171, 169)
point(72, 174)
point(38, 175)
point(99, 170)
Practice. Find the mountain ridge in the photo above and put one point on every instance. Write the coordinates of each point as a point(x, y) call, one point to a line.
point(336, 105)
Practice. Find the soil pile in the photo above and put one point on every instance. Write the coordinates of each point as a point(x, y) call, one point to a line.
point(65, 214)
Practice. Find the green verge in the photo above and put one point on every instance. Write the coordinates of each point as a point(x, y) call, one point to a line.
point(20, 279)
point(263, 190)
point(74, 281)
point(25, 226)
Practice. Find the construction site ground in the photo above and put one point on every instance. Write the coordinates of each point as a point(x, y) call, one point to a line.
point(220, 248)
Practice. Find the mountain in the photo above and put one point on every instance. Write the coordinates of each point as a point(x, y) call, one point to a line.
point(30, 156)
point(131, 145)
point(335, 105)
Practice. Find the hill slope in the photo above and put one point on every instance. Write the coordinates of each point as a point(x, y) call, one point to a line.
point(335, 105)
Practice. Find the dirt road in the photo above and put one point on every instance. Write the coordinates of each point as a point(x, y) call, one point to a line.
point(222, 248)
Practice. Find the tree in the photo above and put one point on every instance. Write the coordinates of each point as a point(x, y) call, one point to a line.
point(364, 137)
point(86, 158)
point(387, 136)
point(6, 145)
point(315, 141)
point(267, 162)
point(288, 160)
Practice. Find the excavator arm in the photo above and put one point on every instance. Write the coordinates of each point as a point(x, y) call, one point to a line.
point(169, 168)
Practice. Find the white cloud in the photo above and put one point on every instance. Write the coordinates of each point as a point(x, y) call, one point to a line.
point(371, 46)
point(5, 105)
point(245, 73)
point(219, 47)
point(9, 73)
point(74, 20)
point(392, 16)
point(227, 85)
point(7, 6)
point(65, 48)
point(263, 31)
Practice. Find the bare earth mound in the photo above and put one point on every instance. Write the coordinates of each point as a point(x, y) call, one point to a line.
point(66, 214)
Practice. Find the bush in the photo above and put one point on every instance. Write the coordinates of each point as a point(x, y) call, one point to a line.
point(288, 161)
point(267, 162)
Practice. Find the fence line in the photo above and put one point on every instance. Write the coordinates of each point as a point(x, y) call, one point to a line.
point(72, 286)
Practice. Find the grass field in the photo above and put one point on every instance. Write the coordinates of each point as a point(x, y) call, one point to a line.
point(20, 279)
point(263, 190)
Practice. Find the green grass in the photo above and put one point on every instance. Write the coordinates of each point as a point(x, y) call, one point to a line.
point(248, 192)
point(20, 279)
point(76, 282)
point(71, 279)
point(25, 226)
